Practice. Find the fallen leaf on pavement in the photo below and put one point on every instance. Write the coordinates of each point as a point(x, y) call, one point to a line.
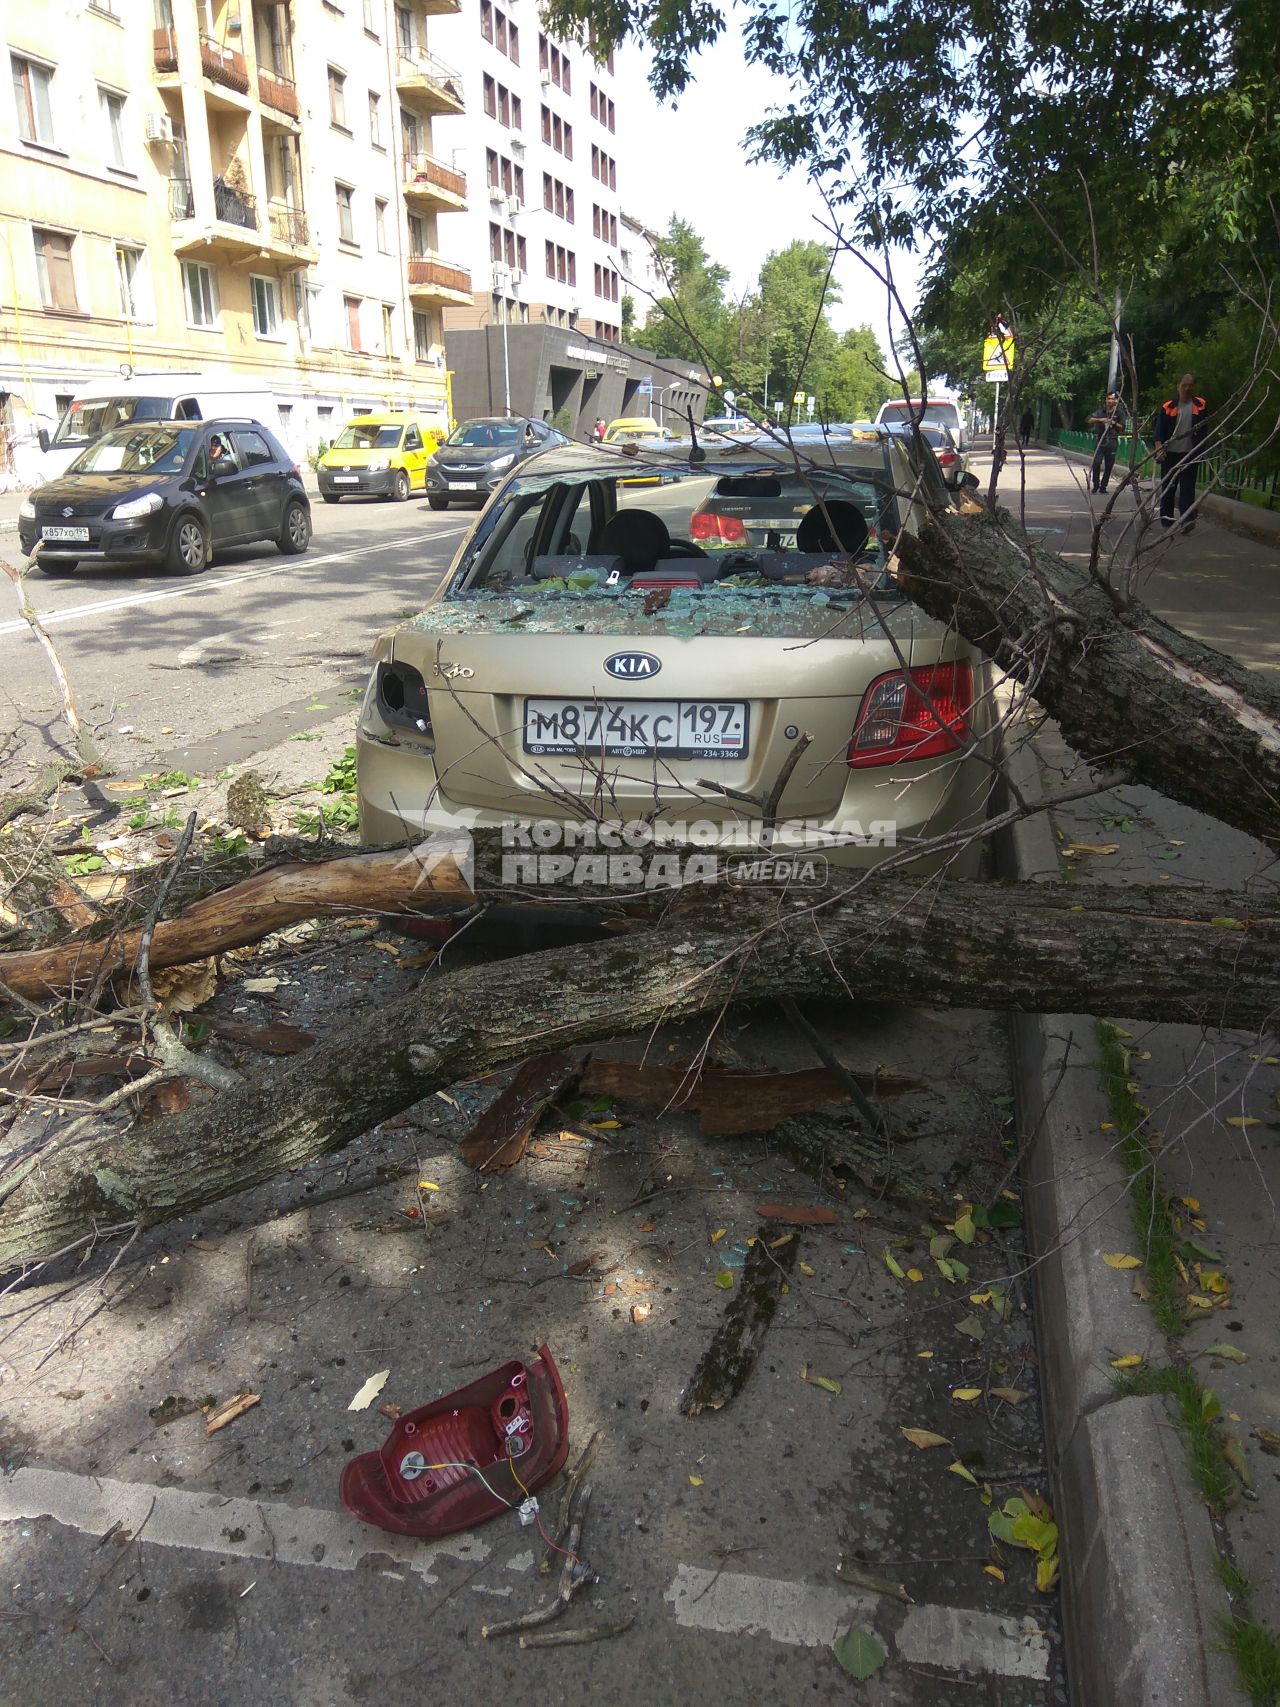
point(893, 1265)
point(805, 1269)
point(860, 1653)
point(724, 1280)
point(923, 1438)
point(369, 1392)
point(963, 1471)
point(695, 1481)
point(1243, 1120)
point(971, 1327)
point(994, 1571)
point(966, 1394)
point(1118, 1259)
point(1090, 848)
point(914, 1274)
point(1010, 1395)
point(640, 1313)
point(1233, 1452)
point(1130, 1360)
point(827, 1382)
point(389, 1410)
point(229, 1410)
point(964, 1228)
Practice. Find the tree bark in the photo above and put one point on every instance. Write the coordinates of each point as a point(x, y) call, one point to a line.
point(1126, 688)
point(1072, 949)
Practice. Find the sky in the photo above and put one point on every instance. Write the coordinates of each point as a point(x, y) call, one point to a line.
point(690, 159)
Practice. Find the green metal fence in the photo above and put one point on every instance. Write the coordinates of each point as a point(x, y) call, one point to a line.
point(1225, 470)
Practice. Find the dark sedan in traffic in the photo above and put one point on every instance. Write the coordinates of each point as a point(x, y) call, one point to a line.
point(169, 493)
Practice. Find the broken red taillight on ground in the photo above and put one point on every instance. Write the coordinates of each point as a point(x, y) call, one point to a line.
point(466, 1457)
point(918, 714)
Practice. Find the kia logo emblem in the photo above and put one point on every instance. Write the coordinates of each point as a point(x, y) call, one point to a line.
point(633, 666)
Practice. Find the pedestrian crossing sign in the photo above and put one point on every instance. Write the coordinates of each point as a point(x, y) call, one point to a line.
point(997, 357)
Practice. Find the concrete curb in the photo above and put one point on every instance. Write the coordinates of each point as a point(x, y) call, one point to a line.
point(1139, 1596)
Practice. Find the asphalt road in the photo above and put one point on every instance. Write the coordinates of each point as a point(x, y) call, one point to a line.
point(212, 667)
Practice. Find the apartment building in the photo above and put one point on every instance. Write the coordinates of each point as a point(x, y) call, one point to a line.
point(250, 185)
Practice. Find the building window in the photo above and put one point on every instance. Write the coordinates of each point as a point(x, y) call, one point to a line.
point(516, 113)
point(371, 17)
point(346, 216)
point(129, 276)
point(486, 20)
point(113, 122)
point(513, 44)
point(54, 264)
point(404, 29)
point(32, 85)
point(418, 246)
point(199, 288)
point(388, 330)
point(380, 226)
point(337, 99)
point(375, 119)
point(266, 305)
point(422, 339)
point(351, 308)
point(490, 96)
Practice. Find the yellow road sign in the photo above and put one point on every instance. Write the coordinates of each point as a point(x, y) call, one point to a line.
point(997, 357)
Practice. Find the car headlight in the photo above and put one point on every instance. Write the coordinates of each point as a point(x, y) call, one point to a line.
point(380, 466)
point(26, 511)
point(135, 507)
point(503, 461)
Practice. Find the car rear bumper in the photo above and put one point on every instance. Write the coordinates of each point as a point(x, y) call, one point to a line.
point(400, 796)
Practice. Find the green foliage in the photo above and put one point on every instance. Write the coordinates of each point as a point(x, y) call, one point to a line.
point(341, 775)
point(628, 318)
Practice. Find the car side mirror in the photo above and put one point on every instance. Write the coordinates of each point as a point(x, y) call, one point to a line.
point(970, 482)
point(43, 436)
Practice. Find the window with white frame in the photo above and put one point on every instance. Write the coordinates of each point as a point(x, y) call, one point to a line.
point(375, 118)
point(55, 266)
point(380, 225)
point(422, 339)
point(32, 96)
point(265, 294)
point(200, 293)
point(337, 98)
point(113, 124)
point(388, 330)
point(131, 278)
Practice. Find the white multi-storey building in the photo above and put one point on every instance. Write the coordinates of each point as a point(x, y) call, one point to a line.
point(538, 143)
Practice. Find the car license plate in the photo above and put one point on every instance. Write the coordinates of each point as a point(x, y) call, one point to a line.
point(465, 485)
point(346, 479)
point(630, 729)
point(80, 535)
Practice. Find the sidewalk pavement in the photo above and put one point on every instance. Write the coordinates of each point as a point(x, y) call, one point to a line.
point(1141, 1599)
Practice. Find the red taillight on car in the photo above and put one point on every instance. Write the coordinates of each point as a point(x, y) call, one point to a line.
point(919, 715)
point(946, 458)
point(710, 525)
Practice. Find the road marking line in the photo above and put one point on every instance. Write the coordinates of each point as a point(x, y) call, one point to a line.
point(204, 584)
point(805, 1615)
point(294, 1535)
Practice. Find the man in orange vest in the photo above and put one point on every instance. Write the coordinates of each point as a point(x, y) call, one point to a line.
point(1180, 432)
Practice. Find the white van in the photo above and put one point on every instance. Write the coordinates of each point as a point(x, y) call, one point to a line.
point(162, 394)
point(938, 411)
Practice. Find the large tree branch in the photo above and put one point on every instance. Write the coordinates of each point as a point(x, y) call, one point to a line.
point(1127, 689)
point(1040, 947)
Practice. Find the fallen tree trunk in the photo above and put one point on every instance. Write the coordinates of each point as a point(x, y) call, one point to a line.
point(1034, 948)
point(1126, 687)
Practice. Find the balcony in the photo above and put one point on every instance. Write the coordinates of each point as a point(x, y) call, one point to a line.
point(223, 65)
point(279, 93)
point(437, 8)
point(429, 83)
point(164, 52)
point(288, 225)
point(431, 182)
point(436, 281)
point(234, 230)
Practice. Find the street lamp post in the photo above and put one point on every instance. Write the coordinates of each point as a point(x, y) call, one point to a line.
point(499, 285)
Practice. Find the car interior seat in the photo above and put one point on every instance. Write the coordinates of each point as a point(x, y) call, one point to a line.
point(638, 537)
point(848, 522)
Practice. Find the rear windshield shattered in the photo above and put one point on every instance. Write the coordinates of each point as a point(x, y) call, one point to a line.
point(686, 533)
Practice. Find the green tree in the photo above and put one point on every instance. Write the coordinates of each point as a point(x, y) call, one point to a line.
point(791, 330)
point(858, 383)
point(691, 323)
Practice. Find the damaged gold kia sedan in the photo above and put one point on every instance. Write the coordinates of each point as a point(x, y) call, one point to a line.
point(692, 642)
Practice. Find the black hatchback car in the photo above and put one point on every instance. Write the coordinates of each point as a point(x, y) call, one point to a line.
point(475, 457)
point(168, 492)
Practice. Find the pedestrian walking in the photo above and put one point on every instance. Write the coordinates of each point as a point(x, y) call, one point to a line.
point(598, 431)
point(1108, 424)
point(1181, 429)
point(1025, 426)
